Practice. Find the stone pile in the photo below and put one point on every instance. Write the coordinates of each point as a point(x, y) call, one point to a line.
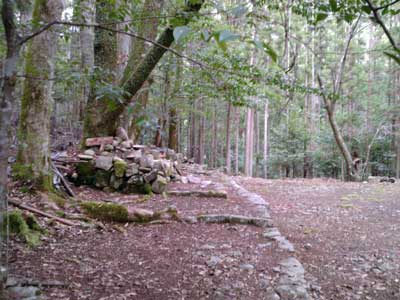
point(116, 164)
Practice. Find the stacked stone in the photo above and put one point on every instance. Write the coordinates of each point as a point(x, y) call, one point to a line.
point(114, 164)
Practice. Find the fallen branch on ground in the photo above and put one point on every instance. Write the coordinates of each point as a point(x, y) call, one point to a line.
point(41, 213)
point(63, 180)
point(235, 219)
point(203, 194)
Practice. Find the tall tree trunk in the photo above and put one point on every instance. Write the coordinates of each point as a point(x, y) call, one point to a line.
point(147, 28)
point(88, 14)
point(257, 141)
point(7, 101)
point(265, 152)
point(200, 158)
point(213, 156)
point(173, 115)
point(237, 137)
point(37, 101)
point(103, 119)
point(249, 142)
point(228, 138)
point(106, 59)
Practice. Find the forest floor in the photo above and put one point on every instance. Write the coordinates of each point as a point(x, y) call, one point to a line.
point(346, 236)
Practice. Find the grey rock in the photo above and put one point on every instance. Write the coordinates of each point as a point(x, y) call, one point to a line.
point(207, 247)
point(150, 177)
point(109, 147)
point(284, 244)
point(190, 220)
point(156, 153)
point(85, 157)
point(213, 261)
point(159, 185)
point(132, 169)
point(247, 267)
point(194, 179)
point(89, 152)
point(116, 182)
point(126, 144)
point(24, 293)
point(146, 161)
point(104, 163)
point(106, 153)
point(271, 233)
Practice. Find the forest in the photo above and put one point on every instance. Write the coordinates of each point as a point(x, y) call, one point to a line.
point(198, 117)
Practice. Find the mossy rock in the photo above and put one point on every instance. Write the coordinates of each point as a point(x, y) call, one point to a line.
point(28, 229)
point(102, 178)
point(86, 173)
point(120, 167)
point(106, 211)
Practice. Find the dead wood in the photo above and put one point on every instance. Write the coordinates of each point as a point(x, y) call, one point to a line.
point(41, 213)
point(63, 180)
point(99, 141)
point(235, 219)
point(201, 194)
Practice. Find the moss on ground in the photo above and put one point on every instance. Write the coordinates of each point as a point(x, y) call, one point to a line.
point(106, 211)
point(57, 199)
point(26, 228)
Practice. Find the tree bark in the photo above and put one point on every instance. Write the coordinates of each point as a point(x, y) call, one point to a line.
point(88, 14)
point(237, 137)
point(148, 29)
point(7, 101)
point(37, 101)
point(213, 156)
point(173, 115)
point(265, 152)
point(228, 139)
point(103, 120)
point(249, 142)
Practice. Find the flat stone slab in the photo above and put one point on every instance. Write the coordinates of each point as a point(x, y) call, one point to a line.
point(236, 219)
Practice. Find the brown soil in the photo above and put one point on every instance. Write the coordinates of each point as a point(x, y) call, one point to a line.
point(347, 235)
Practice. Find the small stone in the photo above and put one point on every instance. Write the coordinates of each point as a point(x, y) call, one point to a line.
point(135, 154)
point(156, 153)
point(119, 168)
point(89, 152)
point(307, 246)
point(126, 144)
point(105, 153)
point(116, 182)
point(85, 157)
point(193, 179)
point(247, 267)
point(271, 233)
point(184, 180)
point(104, 162)
point(207, 247)
point(190, 220)
point(159, 185)
point(213, 261)
point(147, 161)
point(132, 169)
point(150, 177)
point(109, 148)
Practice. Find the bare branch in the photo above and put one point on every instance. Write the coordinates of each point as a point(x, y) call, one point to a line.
point(381, 23)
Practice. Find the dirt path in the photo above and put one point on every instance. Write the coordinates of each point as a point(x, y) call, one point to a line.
point(177, 260)
point(346, 235)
